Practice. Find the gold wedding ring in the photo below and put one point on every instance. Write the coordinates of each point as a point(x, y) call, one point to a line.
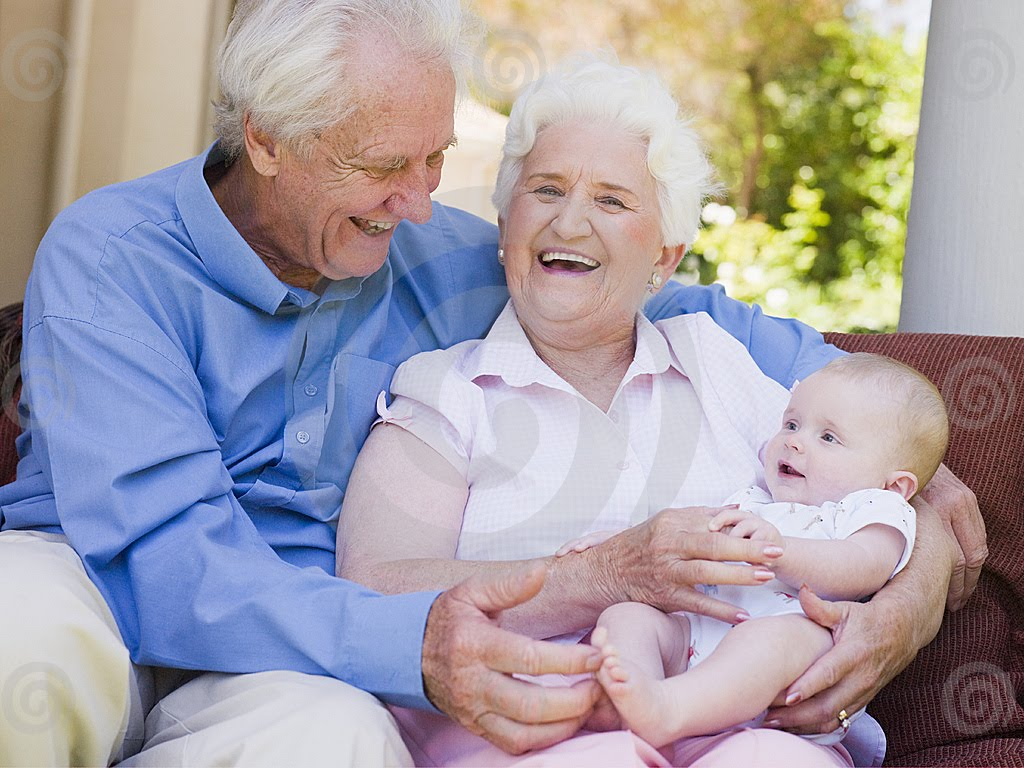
point(844, 721)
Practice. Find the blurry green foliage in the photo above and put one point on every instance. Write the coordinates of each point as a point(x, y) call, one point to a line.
point(811, 119)
point(824, 233)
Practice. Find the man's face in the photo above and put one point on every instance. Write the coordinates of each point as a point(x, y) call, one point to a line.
point(335, 212)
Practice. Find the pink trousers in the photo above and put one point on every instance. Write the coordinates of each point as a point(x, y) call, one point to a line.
point(434, 740)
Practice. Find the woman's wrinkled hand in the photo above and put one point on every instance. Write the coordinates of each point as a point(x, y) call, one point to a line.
point(468, 663)
point(663, 560)
point(871, 646)
point(957, 507)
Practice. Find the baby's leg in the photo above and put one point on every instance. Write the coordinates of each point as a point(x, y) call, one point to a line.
point(736, 682)
point(656, 646)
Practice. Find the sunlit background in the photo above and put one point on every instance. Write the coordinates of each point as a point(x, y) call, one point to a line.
point(810, 112)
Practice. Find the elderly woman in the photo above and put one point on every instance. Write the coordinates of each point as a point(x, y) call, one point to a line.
point(575, 413)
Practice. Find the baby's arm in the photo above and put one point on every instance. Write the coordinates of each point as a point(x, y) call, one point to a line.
point(836, 569)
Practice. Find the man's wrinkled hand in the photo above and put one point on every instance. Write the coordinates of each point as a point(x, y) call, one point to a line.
point(663, 560)
point(870, 648)
point(468, 663)
point(957, 507)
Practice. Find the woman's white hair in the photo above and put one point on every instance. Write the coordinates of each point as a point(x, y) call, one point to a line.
point(287, 63)
point(592, 89)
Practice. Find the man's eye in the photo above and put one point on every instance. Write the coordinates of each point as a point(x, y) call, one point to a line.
point(436, 160)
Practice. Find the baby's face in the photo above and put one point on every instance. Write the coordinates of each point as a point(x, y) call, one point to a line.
point(836, 438)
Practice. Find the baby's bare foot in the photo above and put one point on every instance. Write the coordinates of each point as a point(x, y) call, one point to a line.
point(642, 701)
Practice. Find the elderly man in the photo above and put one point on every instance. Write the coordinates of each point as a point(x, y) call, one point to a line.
point(202, 352)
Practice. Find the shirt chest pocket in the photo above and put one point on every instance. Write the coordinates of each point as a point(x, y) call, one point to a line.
point(351, 409)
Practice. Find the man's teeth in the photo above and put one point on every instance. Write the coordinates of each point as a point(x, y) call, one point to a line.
point(547, 258)
point(372, 227)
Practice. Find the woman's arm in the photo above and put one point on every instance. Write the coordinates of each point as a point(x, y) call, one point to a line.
point(400, 524)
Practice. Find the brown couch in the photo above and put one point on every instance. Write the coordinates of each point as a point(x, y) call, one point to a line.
point(961, 703)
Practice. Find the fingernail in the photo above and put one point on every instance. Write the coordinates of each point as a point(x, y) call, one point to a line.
point(771, 723)
point(793, 698)
point(763, 574)
point(772, 551)
point(742, 616)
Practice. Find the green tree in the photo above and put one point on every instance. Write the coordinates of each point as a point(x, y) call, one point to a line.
point(833, 188)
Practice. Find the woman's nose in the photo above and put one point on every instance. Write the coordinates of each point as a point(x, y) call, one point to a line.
point(572, 220)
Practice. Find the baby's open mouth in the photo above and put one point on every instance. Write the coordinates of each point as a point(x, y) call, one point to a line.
point(786, 469)
point(568, 262)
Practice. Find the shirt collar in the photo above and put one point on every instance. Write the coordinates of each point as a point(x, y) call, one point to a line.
point(506, 352)
point(228, 257)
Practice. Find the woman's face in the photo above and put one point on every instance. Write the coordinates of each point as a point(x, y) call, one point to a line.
point(582, 234)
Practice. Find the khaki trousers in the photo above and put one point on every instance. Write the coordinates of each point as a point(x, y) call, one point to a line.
point(69, 694)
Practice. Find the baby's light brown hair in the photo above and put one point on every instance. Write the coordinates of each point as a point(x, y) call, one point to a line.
point(919, 421)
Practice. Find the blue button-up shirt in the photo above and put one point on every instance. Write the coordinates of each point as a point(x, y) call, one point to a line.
point(191, 421)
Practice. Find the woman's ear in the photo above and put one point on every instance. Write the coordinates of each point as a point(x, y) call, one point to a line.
point(670, 258)
point(263, 152)
point(903, 483)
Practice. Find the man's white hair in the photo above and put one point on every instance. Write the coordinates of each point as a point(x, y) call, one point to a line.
point(594, 90)
point(287, 64)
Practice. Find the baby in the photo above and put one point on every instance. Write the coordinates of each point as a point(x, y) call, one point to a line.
point(858, 439)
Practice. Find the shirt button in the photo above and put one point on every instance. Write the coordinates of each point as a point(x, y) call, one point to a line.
point(302, 437)
point(623, 465)
point(310, 390)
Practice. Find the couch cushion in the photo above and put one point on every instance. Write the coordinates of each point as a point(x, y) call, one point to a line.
point(10, 388)
point(968, 685)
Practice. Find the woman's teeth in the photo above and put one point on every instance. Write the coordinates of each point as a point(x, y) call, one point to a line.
point(552, 256)
point(372, 227)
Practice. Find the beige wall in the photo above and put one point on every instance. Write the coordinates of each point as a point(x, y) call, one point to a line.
point(93, 92)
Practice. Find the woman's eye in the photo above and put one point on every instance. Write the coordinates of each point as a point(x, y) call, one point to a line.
point(547, 191)
point(614, 202)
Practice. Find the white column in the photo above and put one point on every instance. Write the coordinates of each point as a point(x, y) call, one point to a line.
point(964, 266)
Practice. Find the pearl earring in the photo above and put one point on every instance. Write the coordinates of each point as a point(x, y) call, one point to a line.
point(655, 282)
point(501, 256)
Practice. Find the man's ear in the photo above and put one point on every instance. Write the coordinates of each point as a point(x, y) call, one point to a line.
point(264, 153)
point(903, 483)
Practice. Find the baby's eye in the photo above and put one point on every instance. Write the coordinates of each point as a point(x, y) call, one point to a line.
point(828, 437)
point(790, 425)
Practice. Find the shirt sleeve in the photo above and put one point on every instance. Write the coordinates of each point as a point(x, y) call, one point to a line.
point(119, 422)
point(751, 400)
point(434, 402)
point(875, 506)
point(785, 350)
